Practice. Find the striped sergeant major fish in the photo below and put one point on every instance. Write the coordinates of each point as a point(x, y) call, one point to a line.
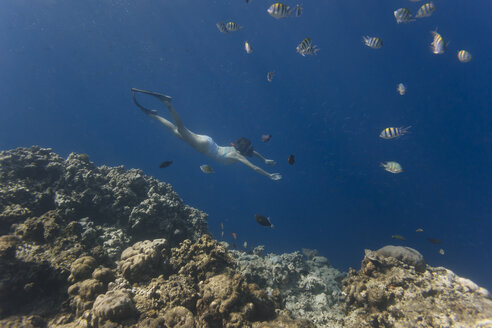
point(232, 27)
point(372, 42)
point(392, 167)
point(279, 10)
point(464, 56)
point(403, 15)
point(222, 27)
point(306, 47)
point(426, 10)
point(391, 132)
point(402, 89)
point(298, 10)
point(438, 45)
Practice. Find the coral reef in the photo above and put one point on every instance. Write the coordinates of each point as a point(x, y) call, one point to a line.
point(309, 287)
point(392, 289)
point(87, 246)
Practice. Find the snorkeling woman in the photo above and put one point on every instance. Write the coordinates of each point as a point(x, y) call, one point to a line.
point(203, 143)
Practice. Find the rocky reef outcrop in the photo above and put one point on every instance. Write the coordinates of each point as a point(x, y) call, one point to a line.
point(87, 246)
point(395, 288)
point(308, 286)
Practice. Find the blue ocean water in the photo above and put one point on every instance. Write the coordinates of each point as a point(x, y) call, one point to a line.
point(67, 67)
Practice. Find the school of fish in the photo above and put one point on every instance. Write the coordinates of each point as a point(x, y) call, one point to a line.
point(438, 46)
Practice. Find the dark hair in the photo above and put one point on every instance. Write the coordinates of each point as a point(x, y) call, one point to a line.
point(244, 146)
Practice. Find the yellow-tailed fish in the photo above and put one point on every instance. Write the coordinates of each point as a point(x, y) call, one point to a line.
point(402, 89)
point(306, 47)
point(372, 42)
point(232, 27)
point(403, 15)
point(464, 56)
point(391, 132)
point(392, 167)
point(399, 237)
point(438, 45)
point(426, 10)
point(207, 169)
point(279, 10)
point(248, 47)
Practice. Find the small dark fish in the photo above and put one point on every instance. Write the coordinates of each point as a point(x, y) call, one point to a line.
point(165, 164)
point(399, 237)
point(266, 137)
point(291, 159)
point(263, 220)
point(233, 234)
point(434, 241)
point(234, 245)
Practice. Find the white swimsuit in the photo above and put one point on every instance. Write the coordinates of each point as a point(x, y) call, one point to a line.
point(217, 153)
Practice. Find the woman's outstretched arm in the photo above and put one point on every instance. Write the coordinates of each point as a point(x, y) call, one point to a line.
point(267, 161)
point(242, 159)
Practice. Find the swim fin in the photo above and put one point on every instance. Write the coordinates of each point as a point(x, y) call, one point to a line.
point(163, 98)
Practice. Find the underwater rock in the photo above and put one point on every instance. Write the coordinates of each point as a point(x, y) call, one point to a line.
point(404, 254)
point(143, 260)
point(200, 260)
point(387, 292)
point(310, 289)
point(35, 180)
point(104, 275)
point(115, 305)
point(179, 317)
point(8, 244)
point(82, 268)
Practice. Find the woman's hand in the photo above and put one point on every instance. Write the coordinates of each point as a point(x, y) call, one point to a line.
point(270, 162)
point(275, 176)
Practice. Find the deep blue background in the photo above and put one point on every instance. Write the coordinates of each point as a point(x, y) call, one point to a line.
point(66, 69)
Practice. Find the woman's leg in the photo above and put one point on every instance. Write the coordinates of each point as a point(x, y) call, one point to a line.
point(153, 113)
point(179, 129)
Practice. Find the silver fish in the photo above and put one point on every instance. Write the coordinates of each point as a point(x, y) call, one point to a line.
point(207, 169)
point(248, 47)
point(270, 76)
